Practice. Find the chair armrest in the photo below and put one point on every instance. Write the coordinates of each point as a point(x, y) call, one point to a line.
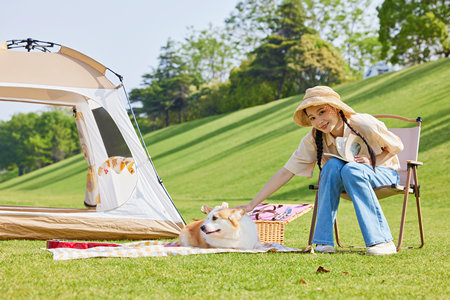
point(412, 162)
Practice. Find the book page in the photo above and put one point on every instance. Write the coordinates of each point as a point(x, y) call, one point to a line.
point(337, 156)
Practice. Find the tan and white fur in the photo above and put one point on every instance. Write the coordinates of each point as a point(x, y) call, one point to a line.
point(223, 228)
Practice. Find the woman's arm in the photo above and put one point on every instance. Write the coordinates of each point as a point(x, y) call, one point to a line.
point(279, 179)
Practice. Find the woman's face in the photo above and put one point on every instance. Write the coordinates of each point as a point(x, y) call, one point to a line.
point(324, 118)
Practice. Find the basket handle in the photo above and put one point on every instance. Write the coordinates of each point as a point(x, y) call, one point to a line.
point(274, 211)
point(264, 211)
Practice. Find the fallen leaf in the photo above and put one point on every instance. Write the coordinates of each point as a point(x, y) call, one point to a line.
point(344, 272)
point(302, 280)
point(322, 269)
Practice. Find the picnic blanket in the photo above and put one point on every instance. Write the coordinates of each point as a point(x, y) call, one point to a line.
point(156, 248)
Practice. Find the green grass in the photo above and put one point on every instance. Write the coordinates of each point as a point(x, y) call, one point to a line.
point(6, 175)
point(229, 158)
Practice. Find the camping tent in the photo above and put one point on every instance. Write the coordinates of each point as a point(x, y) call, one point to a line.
point(124, 195)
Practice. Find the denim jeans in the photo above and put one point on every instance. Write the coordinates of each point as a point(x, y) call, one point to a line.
point(358, 180)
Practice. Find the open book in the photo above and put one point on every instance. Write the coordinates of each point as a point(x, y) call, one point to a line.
point(348, 147)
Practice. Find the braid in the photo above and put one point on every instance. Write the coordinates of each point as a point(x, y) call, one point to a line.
point(373, 159)
point(319, 145)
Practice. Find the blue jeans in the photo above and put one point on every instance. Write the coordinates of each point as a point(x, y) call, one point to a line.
point(358, 180)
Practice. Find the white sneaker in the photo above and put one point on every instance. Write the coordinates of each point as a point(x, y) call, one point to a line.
point(382, 249)
point(325, 249)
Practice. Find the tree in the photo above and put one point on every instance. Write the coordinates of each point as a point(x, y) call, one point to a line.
point(413, 32)
point(151, 105)
point(31, 141)
point(270, 62)
point(21, 145)
point(349, 26)
point(58, 129)
point(208, 55)
point(315, 62)
point(166, 87)
point(249, 23)
point(247, 90)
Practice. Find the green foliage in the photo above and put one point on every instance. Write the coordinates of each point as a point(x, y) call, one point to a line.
point(270, 64)
point(249, 23)
point(349, 26)
point(208, 54)
point(11, 173)
point(208, 100)
point(278, 49)
point(413, 32)
point(315, 62)
point(31, 141)
point(167, 87)
point(247, 91)
point(290, 20)
point(287, 62)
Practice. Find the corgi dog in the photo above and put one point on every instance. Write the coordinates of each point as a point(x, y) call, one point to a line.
point(223, 228)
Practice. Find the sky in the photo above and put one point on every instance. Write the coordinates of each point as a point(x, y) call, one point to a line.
point(125, 36)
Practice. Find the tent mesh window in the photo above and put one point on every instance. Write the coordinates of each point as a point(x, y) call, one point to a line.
point(112, 138)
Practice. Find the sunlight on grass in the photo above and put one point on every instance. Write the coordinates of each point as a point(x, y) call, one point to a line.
point(229, 158)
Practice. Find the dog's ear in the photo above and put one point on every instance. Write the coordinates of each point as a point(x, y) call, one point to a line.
point(206, 209)
point(235, 217)
point(224, 205)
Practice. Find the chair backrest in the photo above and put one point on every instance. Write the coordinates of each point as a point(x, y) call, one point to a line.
point(410, 137)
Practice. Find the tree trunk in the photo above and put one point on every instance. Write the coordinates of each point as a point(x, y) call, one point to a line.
point(280, 87)
point(167, 118)
point(21, 170)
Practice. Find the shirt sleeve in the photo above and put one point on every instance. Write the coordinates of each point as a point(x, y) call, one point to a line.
point(303, 160)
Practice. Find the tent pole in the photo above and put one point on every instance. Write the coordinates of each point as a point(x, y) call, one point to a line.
point(143, 144)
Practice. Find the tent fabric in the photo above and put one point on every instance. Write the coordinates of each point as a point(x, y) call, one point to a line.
point(40, 95)
point(89, 227)
point(156, 249)
point(129, 196)
point(92, 197)
point(68, 68)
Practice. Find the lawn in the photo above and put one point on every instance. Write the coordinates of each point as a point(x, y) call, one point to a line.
point(229, 158)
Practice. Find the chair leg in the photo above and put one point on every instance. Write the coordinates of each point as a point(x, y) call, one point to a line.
point(336, 233)
point(313, 220)
point(419, 208)
point(405, 205)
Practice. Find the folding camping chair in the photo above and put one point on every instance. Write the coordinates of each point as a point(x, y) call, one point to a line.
point(408, 168)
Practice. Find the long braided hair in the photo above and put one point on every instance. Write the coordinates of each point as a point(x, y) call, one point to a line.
point(319, 143)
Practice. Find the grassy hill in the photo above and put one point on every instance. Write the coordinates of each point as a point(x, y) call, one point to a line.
point(229, 158)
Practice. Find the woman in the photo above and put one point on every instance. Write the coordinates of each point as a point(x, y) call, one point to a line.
point(331, 118)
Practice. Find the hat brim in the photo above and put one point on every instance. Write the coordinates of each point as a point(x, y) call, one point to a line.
point(301, 119)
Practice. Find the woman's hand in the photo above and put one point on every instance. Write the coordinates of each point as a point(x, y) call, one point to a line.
point(247, 208)
point(362, 159)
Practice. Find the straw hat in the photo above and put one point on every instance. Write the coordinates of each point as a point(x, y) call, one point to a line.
point(319, 95)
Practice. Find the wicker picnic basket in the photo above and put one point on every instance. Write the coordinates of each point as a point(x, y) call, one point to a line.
point(272, 231)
